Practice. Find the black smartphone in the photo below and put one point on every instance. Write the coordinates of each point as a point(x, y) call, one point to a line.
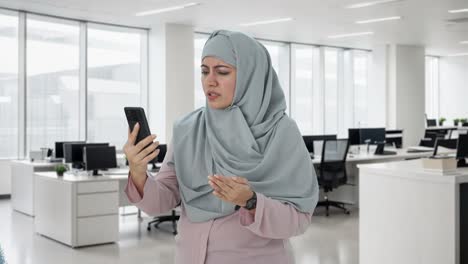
point(134, 115)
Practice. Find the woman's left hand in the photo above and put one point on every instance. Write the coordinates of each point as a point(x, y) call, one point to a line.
point(235, 190)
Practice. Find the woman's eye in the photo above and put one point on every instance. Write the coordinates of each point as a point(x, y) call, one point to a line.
point(223, 73)
point(204, 72)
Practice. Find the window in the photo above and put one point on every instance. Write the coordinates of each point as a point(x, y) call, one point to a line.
point(116, 75)
point(279, 53)
point(52, 83)
point(199, 43)
point(9, 85)
point(361, 63)
point(432, 87)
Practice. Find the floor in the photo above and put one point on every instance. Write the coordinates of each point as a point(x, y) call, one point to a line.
point(329, 240)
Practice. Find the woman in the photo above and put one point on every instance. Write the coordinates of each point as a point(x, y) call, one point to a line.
point(238, 166)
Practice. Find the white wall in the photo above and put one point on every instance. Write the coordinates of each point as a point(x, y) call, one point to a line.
point(453, 88)
point(377, 88)
point(5, 177)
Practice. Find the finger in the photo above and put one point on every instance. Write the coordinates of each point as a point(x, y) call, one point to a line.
point(133, 135)
point(215, 187)
point(220, 196)
point(226, 181)
point(147, 150)
point(145, 142)
point(240, 180)
point(222, 182)
point(151, 156)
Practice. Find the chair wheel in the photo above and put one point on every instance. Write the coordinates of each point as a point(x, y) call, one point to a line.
point(174, 233)
point(148, 228)
point(347, 212)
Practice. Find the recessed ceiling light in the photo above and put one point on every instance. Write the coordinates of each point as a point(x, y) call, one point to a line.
point(264, 22)
point(167, 9)
point(375, 20)
point(351, 35)
point(464, 42)
point(458, 11)
point(458, 54)
point(372, 3)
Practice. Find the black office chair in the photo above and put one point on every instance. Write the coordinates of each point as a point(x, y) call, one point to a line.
point(331, 173)
point(430, 139)
point(173, 217)
point(446, 143)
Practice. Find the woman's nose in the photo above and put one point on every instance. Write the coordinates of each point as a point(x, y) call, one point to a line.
point(211, 80)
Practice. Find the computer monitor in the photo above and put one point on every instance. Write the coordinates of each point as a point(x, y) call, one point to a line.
point(446, 143)
point(360, 136)
point(309, 140)
point(59, 147)
point(462, 150)
point(372, 135)
point(73, 152)
point(99, 158)
point(431, 122)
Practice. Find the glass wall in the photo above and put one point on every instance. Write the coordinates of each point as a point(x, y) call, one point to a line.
point(52, 66)
point(114, 81)
point(9, 85)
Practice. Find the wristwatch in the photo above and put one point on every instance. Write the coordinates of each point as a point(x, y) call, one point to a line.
point(250, 204)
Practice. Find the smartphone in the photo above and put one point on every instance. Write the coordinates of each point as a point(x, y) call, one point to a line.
point(137, 115)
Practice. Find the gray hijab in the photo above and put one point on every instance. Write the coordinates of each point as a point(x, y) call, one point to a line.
point(252, 138)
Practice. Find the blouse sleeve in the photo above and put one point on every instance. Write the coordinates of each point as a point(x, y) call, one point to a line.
point(274, 219)
point(160, 192)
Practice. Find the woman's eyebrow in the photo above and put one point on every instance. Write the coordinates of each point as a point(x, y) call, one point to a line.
point(216, 67)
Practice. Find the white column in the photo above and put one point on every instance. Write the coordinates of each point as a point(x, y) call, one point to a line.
point(171, 77)
point(406, 91)
point(377, 88)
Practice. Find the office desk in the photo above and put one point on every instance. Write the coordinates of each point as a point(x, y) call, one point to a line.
point(22, 183)
point(350, 193)
point(77, 210)
point(411, 215)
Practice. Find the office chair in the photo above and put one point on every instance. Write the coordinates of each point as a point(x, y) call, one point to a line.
point(430, 139)
point(173, 217)
point(331, 173)
point(446, 143)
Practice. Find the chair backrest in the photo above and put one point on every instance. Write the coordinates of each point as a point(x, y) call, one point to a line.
point(309, 141)
point(332, 169)
point(430, 139)
point(446, 143)
point(335, 150)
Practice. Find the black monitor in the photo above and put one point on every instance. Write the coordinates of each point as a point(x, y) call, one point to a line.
point(59, 147)
point(446, 143)
point(462, 150)
point(73, 152)
point(431, 122)
point(99, 158)
point(309, 140)
point(372, 135)
point(354, 136)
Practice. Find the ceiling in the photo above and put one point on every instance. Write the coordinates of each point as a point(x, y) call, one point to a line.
point(424, 21)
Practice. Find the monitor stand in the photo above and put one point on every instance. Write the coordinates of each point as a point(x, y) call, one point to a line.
point(96, 173)
point(462, 163)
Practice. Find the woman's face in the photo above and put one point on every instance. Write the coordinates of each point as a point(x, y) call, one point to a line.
point(219, 82)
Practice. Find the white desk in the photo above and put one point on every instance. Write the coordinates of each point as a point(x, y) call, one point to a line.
point(77, 210)
point(22, 183)
point(410, 215)
point(350, 193)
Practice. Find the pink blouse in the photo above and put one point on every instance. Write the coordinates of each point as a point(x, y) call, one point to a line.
point(237, 238)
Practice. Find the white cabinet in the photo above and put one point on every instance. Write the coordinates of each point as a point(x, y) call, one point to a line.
point(77, 210)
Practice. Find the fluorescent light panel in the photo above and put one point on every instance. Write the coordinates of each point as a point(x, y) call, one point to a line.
point(351, 35)
point(167, 9)
point(373, 3)
point(264, 22)
point(375, 20)
point(458, 54)
point(458, 11)
point(464, 42)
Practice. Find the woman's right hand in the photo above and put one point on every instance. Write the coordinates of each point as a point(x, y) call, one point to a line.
point(140, 155)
